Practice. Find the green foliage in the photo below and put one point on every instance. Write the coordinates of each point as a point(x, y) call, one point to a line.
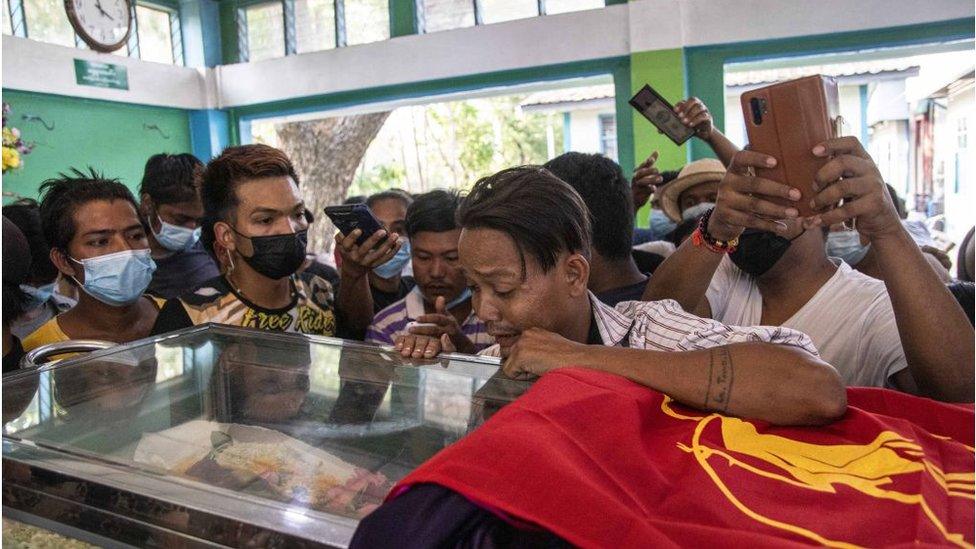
point(378, 178)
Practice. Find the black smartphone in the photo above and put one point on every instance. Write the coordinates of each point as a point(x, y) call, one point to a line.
point(661, 113)
point(349, 217)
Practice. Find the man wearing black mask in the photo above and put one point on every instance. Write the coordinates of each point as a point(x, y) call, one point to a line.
point(904, 331)
point(256, 219)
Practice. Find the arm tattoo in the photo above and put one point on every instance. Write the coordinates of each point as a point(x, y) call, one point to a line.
point(721, 373)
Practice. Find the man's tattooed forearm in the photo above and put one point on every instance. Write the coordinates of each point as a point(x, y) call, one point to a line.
point(721, 373)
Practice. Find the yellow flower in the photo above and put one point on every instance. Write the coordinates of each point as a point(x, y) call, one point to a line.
point(8, 137)
point(11, 158)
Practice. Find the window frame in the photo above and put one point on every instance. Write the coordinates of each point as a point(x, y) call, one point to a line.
point(16, 13)
point(604, 138)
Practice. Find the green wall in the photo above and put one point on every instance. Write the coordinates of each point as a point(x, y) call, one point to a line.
point(105, 135)
point(664, 70)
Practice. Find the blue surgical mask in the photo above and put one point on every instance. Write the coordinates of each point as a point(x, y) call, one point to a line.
point(847, 246)
point(661, 224)
point(117, 279)
point(395, 265)
point(174, 237)
point(39, 295)
point(696, 211)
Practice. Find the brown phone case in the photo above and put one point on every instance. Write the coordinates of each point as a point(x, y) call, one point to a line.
point(786, 121)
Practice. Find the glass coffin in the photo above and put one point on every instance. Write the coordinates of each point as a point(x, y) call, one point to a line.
point(220, 435)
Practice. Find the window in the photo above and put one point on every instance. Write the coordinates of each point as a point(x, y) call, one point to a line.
point(314, 25)
point(962, 133)
point(7, 29)
point(155, 36)
point(564, 6)
point(265, 26)
point(496, 11)
point(47, 22)
point(366, 21)
point(441, 15)
point(608, 135)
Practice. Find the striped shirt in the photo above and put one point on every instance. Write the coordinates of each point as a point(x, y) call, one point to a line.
point(665, 326)
point(392, 322)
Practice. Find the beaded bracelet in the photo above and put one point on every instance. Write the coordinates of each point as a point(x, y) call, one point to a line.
point(701, 237)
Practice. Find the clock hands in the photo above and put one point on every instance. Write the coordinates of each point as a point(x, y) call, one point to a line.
point(98, 6)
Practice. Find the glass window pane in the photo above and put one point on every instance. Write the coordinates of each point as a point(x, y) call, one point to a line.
point(6, 18)
point(265, 31)
point(314, 25)
point(47, 22)
point(367, 21)
point(496, 11)
point(155, 38)
point(563, 6)
point(608, 135)
point(447, 14)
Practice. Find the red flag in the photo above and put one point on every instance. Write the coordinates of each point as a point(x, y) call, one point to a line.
point(604, 462)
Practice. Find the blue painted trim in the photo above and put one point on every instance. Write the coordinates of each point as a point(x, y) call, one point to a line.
point(863, 93)
point(244, 131)
point(209, 133)
point(567, 132)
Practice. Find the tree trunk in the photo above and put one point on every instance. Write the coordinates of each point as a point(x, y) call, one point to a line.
point(326, 154)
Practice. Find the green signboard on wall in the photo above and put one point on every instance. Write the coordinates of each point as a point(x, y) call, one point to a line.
point(101, 75)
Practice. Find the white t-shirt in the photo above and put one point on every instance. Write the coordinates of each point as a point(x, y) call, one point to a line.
point(850, 320)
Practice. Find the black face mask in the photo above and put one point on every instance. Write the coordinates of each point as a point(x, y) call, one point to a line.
point(279, 255)
point(758, 251)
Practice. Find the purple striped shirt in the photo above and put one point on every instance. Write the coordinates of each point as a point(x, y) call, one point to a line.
point(392, 322)
point(665, 326)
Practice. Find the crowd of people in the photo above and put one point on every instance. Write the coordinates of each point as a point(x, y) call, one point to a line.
point(730, 301)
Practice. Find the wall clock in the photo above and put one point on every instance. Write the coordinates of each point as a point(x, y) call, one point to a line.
point(103, 24)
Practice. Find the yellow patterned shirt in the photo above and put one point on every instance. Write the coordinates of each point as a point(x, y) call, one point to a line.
point(310, 312)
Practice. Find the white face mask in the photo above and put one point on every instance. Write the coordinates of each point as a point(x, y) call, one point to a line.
point(847, 246)
point(174, 237)
point(696, 211)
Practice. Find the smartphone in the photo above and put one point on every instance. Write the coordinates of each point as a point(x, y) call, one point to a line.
point(415, 324)
point(661, 113)
point(786, 121)
point(349, 217)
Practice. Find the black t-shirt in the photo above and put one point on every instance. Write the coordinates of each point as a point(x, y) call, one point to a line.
point(624, 293)
point(11, 360)
point(181, 272)
point(382, 300)
point(428, 515)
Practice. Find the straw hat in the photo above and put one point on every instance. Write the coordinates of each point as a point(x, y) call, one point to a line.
point(700, 171)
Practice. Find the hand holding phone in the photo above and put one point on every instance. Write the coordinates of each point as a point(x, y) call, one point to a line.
point(659, 112)
point(785, 121)
point(349, 217)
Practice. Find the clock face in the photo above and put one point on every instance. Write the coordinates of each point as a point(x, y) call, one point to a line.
point(104, 24)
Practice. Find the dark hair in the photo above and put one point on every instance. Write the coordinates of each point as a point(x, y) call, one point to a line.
point(433, 212)
point(900, 205)
point(171, 178)
point(16, 259)
point(606, 192)
point(542, 214)
point(355, 199)
point(234, 166)
point(63, 195)
point(392, 194)
point(668, 176)
point(26, 215)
